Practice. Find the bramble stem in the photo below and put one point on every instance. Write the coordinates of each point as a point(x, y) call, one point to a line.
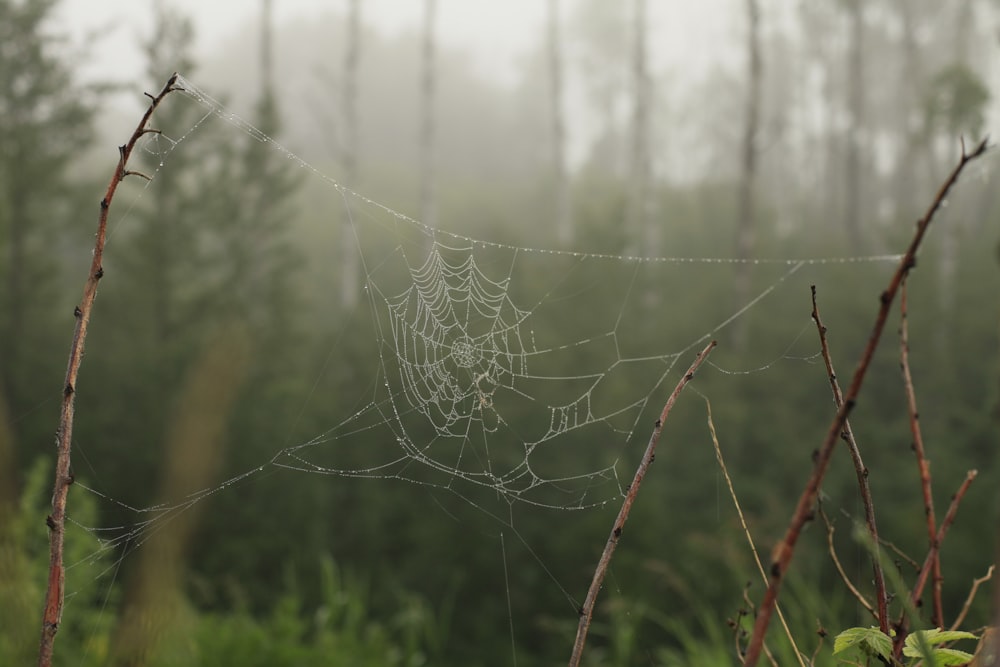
point(881, 597)
point(804, 509)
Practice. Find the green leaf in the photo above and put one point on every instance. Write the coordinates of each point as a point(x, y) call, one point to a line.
point(940, 656)
point(871, 641)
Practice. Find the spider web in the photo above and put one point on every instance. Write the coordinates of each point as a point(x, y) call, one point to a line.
point(476, 383)
point(496, 367)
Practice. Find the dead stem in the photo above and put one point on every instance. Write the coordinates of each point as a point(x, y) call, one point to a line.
point(804, 508)
point(858, 595)
point(55, 593)
point(923, 464)
point(587, 610)
point(976, 583)
point(881, 597)
point(932, 556)
point(746, 529)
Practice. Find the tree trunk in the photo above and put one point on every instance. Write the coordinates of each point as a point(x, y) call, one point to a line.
point(563, 221)
point(856, 111)
point(428, 125)
point(745, 231)
point(639, 232)
point(348, 252)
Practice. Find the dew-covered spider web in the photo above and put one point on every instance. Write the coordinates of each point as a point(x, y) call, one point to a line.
point(494, 364)
point(506, 374)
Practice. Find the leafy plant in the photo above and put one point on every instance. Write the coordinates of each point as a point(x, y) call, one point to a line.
point(925, 645)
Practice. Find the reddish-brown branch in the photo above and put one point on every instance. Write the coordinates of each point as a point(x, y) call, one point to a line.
point(804, 509)
point(587, 610)
point(55, 592)
point(924, 466)
point(930, 559)
point(881, 598)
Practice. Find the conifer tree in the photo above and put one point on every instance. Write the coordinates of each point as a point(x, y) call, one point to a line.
point(45, 120)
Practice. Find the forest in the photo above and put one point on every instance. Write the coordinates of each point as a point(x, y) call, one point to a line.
point(381, 339)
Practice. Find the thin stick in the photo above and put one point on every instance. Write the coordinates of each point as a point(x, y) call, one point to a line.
point(803, 510)
point(937, 615)
point(587, 610)
point(861, 471)
point(976, 583)
point(55, 593)
point(746, 529)
point(932, 555)
point(858, 595)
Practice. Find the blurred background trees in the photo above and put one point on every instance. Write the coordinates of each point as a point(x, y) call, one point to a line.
point(821, 132)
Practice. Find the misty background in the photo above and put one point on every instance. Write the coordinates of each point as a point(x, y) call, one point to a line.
point(246, 324)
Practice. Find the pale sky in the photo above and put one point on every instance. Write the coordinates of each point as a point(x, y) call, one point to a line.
point(495, 33)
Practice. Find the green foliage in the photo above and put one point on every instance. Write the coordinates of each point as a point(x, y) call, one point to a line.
point(24, 561)
point(45, 121)
point(922, 645)
point(869, 641)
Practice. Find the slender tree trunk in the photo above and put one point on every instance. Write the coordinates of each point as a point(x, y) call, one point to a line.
point(563, 221)
point(856, 112)
point(266, 49)
point(637, 225)
point(948, 265)
point(348, 252)
point(428, 125)
point(746, 226)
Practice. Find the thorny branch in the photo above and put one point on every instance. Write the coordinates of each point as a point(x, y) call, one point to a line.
point(587, 610)
point(804, 509)
point(918, 450)
point(930, 559)
point(55, 593)
point(881, 598)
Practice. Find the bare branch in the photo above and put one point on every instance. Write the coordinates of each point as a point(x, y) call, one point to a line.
point(587, 611)
point(861, 471)
point(976, 583)
point(923, 464)
point(746, 529)
point(55, 593)
point(803, 510)
point(858, 595)
point(932, 556)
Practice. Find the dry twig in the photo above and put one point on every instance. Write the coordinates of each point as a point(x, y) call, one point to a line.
point(881, 597)
point(858, 595)
point(746, 529)
point(932, 556)
point(937, 615)
point(587, 610)
point(976, 583)
point(804, 509)
point(55, 593)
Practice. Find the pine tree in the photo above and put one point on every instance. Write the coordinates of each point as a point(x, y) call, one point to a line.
point(45, 121)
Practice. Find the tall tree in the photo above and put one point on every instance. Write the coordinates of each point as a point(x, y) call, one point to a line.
point(637, 223)
point(853, 212)
point(349, 263)
point(45, 120)
point(428, 117)
point(563, 221)
point(745, 230)
point(206, 254)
